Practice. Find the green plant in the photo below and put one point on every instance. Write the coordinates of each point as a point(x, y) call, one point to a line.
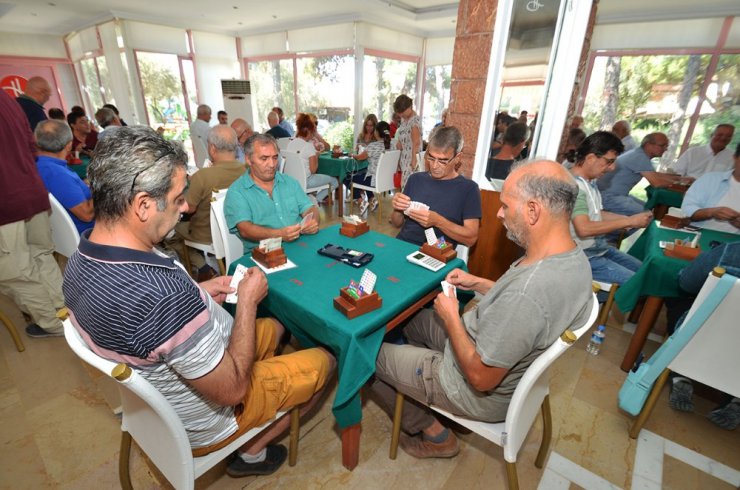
point(342, 134)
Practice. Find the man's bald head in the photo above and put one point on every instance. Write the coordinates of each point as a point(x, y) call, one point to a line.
point(548, 182)
point(242, 129)
point(621, 128)
point(221, 143)
point(38, 89)
point(273, 119)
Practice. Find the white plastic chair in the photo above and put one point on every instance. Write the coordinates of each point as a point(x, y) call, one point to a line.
point(227, 247)
point(383, 178)
point(155, 426)
point(532, 394)
point(295, 168)
point(206, 248)
point(283, 143)
point(463, 251)
point(63, 230)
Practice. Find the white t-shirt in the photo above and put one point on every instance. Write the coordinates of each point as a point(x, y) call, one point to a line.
point(305, 149)
point(730, 200)
point(700, 160)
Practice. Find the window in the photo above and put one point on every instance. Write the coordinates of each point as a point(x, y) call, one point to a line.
point(436, 95)
point(92, 85)
point(722, 103)
point(272, 85)
point(384, 80)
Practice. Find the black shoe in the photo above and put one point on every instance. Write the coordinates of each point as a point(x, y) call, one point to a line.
point(35, 331)
point(276, 456)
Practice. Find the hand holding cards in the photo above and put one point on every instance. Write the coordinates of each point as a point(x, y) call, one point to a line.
point(414, 205)
point(449, 289)
point(235, 280)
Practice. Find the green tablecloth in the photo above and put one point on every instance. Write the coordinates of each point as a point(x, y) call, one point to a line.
point(302, 299)
point(658, 275)
point(81, 168)
point(657, 196)
point(338, 167)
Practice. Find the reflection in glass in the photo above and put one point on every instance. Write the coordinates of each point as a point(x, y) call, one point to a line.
point(272, 85)
point(384, 80)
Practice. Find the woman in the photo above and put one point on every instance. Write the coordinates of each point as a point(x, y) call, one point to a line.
point(303, 144)
point(371, 153)
point(409, 137)
point(318, 141)
point(367, 135)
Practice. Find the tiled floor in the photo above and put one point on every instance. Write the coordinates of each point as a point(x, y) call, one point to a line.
point(57, 430)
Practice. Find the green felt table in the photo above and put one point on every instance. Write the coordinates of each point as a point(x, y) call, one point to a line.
point(658, 274)
point(81, 168)
point(662, 196)
point(302, 299)
point(339, 168)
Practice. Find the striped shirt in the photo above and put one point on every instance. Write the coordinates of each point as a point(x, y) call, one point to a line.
point(144, 310)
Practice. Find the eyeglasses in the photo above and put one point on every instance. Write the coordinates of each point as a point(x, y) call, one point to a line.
point(136, 176)
point(441, 161)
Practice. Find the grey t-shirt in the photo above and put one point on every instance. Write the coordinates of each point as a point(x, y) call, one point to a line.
point(518, 318)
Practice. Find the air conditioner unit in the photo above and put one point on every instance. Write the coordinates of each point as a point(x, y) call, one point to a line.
point(238, 100)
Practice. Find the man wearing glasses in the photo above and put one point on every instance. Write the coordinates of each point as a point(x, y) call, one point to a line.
point(454, 201)
point(594, 158)
point(630, 168)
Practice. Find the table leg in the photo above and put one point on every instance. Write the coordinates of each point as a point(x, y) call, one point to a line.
point(650, 312)
point(634, 315)
point(660, 210)
point(351, 446)
point(340, 199)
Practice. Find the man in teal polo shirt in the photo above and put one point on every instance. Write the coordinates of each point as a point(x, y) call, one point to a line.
point(264, 203)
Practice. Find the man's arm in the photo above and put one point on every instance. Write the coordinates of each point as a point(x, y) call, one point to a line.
point(84, 211)
point(467, 233)
point(313, 225)
point(227, 383)
point(586, 228)
point(400, 203)
point(659, 179)
point(255, 233)
point(468, 282)
point(720, 213)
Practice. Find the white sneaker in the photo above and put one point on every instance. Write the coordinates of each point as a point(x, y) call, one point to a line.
point(373, 204)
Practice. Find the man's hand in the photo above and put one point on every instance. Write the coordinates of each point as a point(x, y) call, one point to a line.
point(291, 233)
point(401, 202)
point(217, 288)
point(447, 308)
point(461, 279)
point(735, 222)
point(724, 213)
point(640, 220)
point(311, 227)
point(424, 217)
point(253, 287)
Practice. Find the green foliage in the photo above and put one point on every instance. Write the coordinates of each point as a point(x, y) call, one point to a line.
point(161, 87)
point(342, 134)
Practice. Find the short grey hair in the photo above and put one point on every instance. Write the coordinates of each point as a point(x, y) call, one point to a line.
point(557, 194)
point(105, 117)
point(223, 138)
point(258, 139)
point(136, 160)
point(52, 135)
point(445, 137)
point(204, 110)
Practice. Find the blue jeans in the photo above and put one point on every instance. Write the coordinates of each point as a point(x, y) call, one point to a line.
point(625, 205)
point(613, 267)
point(361, 178)
point(315, 180)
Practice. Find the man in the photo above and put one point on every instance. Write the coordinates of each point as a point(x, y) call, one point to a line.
point(243, 131)
point(223, 117)
point(454, 201)
point(115, 110)
point(623, 131)
point(106, 117)
point(222, 145)
point(713, 201)
point(714, 157)
point(514, 140)
point(595, 157)
point(217, 372)
point(263, 203)
point(199, 134)
point(28, 272)
point(57, 113)
point(631, 167)
point(284, 123)
point(276, 131)
point(54, 140)
point(471, 365)
point(37, 93)
point(84, 138)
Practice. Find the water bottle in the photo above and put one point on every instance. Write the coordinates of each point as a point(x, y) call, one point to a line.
point(597, 338)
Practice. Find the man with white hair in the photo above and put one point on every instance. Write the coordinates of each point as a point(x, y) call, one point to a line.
point(624, 132)
point(276, 130)
point(37, 93)
point(243, 131)
point(199, 134)
point(712, 157)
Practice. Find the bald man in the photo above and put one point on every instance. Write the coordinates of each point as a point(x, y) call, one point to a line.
point(470, 365)
point(243, 131)
point(38, 92)
point(276, 131)
point(225, 169)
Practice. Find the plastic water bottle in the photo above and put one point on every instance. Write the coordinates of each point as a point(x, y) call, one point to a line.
point(597, 338)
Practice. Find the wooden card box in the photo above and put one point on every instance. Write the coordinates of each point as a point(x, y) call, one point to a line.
point(354, 307)
point(269, 259)
point(352, 230)
point(681, 252)
point(669, 221)
point(681, 188)
point(442, 254)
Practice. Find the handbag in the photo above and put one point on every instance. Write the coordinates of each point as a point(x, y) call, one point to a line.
point(639, 382)
point(397, 180)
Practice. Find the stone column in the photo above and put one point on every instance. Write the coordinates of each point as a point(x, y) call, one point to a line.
point(475, 19)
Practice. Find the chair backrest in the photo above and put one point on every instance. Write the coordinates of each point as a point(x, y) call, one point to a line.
point(283, 143)
point(226, 245)
point(386, 168)
point(462, 252)
point(147, 416)
point(295, 167)
point(63, 230)
point(534, 386)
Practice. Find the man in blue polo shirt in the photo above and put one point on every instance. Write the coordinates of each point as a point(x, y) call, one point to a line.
point(264, 203)
point(54, 139)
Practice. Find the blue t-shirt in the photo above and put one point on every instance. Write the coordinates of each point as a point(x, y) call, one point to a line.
point(455, 199)
point(627, 174)
point(65, 185)
point(278, 132)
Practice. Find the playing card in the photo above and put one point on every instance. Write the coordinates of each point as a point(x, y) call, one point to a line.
point(449, 289)
point(235, 280)
point(431, 236)
point(367, 282)
point(305, 220)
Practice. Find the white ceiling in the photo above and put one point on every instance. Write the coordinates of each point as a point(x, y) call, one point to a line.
point(428, 18)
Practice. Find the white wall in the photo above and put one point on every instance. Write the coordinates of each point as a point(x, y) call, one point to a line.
point(215, 59)
point(32, 45)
